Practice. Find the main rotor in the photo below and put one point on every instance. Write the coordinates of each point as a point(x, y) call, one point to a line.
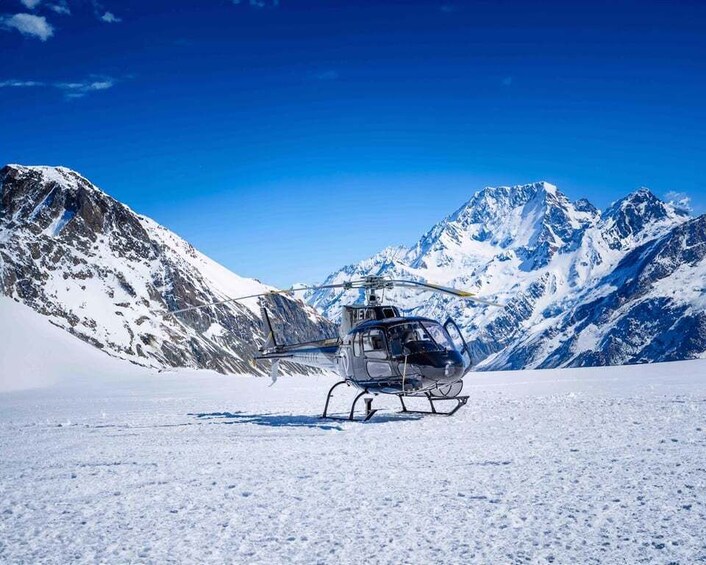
point(374, 287)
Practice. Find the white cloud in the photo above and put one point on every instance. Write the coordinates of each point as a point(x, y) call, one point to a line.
point(110, 18)
point(60, 8)
point(258, 3)
point(31, 4)
point(77, 89)
point(80, 89)
point(28, 24)
point(19, 83)
point(680, 200)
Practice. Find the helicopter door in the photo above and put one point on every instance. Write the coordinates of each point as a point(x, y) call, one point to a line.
point(374, 344)
point(375, 351)
point(457, 337)
point(357, 361)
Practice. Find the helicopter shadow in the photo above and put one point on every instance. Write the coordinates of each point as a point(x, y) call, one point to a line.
point(270, 420)
point(292, 421)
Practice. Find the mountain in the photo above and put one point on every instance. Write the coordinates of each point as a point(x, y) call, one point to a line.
point(549, 260)
point(650, 307)
point(108, 275)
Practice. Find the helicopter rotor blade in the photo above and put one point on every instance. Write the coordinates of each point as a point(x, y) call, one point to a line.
point(286, 291)
point(367, 283)
point(458, 293)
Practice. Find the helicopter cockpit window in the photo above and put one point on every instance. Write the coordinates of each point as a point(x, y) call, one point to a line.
point(440, 335)
point(374, 344)
point(415, 337)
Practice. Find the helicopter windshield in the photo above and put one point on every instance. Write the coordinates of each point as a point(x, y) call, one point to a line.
point(418, 337)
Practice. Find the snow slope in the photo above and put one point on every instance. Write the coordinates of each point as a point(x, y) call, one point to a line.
point(600, 465)
point(34, 353)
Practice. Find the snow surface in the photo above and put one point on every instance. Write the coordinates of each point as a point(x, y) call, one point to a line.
point(34, 353)
point(567, 466)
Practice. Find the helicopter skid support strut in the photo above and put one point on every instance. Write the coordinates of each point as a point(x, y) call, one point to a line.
point(369, 410)
point(460, 402)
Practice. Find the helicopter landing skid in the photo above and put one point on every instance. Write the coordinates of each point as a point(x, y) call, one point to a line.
point(369, 410)
point(460, 402)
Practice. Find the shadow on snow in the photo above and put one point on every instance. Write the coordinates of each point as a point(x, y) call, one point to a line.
point(289, 420)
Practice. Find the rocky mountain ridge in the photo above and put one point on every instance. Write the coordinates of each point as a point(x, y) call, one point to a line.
point(548, 259)
point(109, 276)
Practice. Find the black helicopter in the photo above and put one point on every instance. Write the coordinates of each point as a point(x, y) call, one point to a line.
point(379, 351)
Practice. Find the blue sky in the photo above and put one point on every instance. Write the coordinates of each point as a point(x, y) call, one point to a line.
point(288, 138)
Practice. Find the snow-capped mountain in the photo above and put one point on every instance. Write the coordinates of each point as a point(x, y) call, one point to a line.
point(109, 276)
point(548, 260)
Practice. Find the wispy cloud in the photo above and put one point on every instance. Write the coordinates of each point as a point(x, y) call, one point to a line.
point(19, 83)
point(258, 3)
point(80, 89)
point(102, 13)
point(60, 8)
point(680, 200)
point(28, 24)
point(77, 89)
point(110, 18)
point(31, 4)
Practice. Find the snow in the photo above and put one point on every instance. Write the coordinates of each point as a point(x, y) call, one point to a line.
point(34, 353)
point(570, 466)
point(685, 285)
point(60, 175)
point(57, 225)
point(218, 277)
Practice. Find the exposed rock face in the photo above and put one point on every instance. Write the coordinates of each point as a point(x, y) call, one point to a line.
point(566, 273)
point(109, 276)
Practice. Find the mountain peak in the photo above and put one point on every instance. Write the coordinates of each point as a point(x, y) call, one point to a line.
point(101, 271)
point(644, 202)
point(518, 192)
point(546, 186)
point(637, 216)
point(642, 194)
point(57, 200)
point(62, 176)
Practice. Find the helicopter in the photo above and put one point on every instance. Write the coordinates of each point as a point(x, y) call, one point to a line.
point(378, 350)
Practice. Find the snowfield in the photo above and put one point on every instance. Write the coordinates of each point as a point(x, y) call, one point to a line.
point(567, 466)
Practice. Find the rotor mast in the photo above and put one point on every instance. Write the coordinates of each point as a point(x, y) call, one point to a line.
point(375, 290)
